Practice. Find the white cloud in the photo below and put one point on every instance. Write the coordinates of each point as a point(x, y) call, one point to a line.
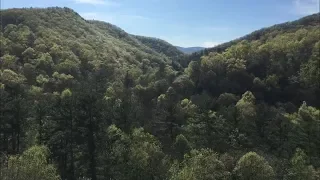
point(97, 2)
point(208, 44)
point(306, 7)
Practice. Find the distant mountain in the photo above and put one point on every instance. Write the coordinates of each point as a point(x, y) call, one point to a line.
point(190, 50)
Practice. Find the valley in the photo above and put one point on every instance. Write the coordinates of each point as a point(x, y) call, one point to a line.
point(83, 99)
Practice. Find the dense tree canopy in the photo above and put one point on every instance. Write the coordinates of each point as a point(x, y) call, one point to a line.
point(252, 166)
point(85, 100)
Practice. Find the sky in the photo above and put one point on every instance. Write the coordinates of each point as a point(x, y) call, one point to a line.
point(184, 23)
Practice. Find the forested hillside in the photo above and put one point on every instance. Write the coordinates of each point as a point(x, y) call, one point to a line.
point(86, 100)
point(263, 34)
point(160, 46)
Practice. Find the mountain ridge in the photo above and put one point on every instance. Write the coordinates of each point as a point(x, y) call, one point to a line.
point(310, 20)
point(190, 50)
point(78, 24)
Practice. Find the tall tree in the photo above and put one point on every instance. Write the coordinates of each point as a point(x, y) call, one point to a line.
point(252, 166)
point(299, 168)
point(200, 164)
point(32, 164)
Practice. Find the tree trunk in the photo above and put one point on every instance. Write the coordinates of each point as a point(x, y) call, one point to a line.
point(91, 145)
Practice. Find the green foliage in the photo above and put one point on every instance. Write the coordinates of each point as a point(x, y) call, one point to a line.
point(246, 107)
point(44, 61)
point(32, 164)
point(35, 91)
point(234, 65)
point(200, 164)
point(146, 157)
point(306, 126)
point(227, 99)
point(66, 93)
point(252, 166)
point(140, 153)
point(41, 79)
point(183, 85)
point(111, 105)
point(160, 46)
point(8, 61)
point(308, 21)
point(11, 78)
point(247, 115)
point(310, 71)
point(115, 156)
point(29, 54)
point(208, 129)
point(299, 168)
point(181, 146)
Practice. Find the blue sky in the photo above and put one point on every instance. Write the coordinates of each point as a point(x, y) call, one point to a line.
point(184, 22)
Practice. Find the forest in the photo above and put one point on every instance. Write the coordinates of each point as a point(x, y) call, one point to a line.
point(84, 100)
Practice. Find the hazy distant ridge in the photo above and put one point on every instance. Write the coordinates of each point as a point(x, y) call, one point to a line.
point(189, 50)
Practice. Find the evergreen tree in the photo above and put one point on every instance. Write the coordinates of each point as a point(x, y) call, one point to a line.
point(252, 166)
point(299, 168)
